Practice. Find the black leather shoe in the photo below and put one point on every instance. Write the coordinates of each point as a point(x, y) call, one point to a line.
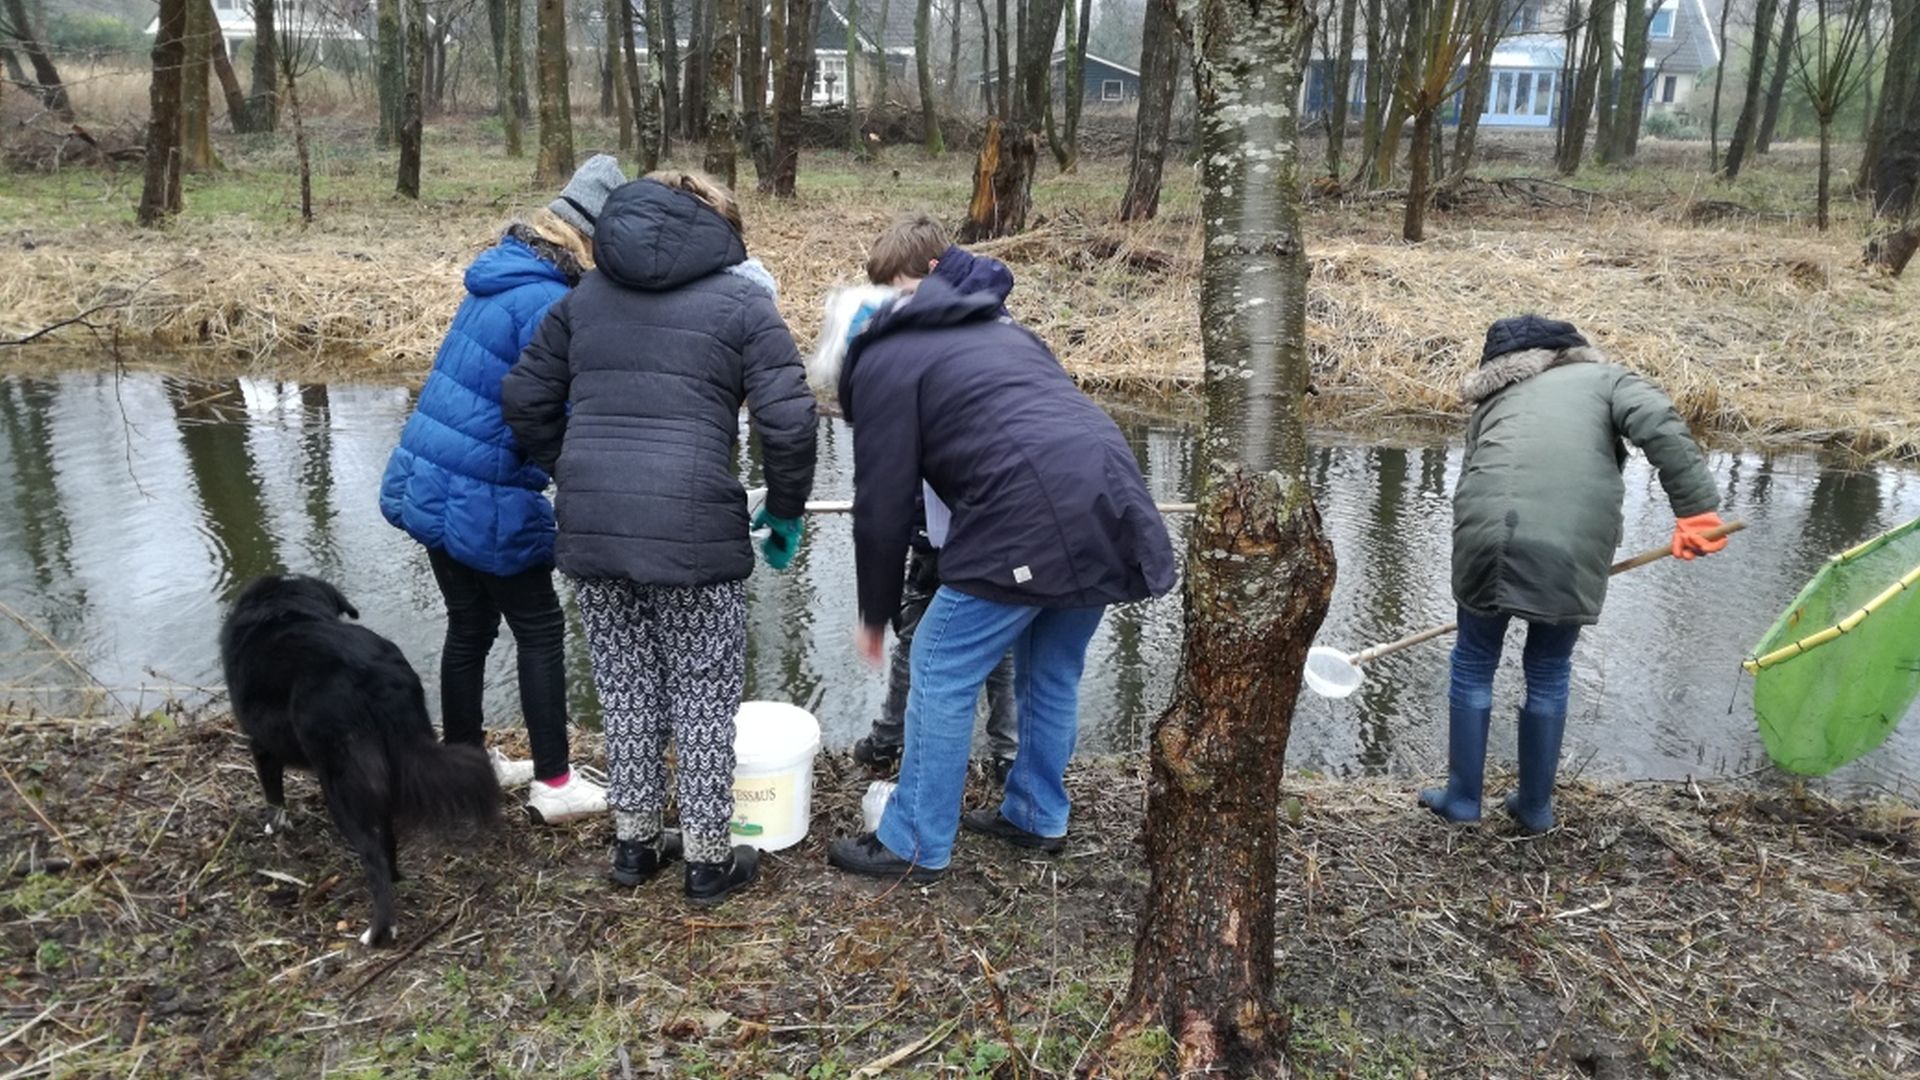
point(866, 855)
point(876, 755)
point(635, 862)
point(992, 823)
point(1001, 767)
point(710, 883)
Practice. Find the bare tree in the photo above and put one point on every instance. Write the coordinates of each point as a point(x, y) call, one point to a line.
point(1752, 104)
point(722, 157)
point(852, 21)
point(160, 186)
point(503, 19)
point(1258, 577)
point(642, 92)
point(556, 114)
point(517, 60)
point(1622, 140)
point(1076, 94)
point(659, 48)
point(1595, 56)
point(882, 73)
point(753, 91)
point(1340, 84)
point(1153, 118)
point(413, 101)
point(1894, 177)
point(1003, 175)
point(668, 42)
point(1777, 85)
point(1898, 81)
point(1719, 78)
point(196, 108)
point(32, 42)
point(1486, 35)
point(223, 72)
point(793, 59)
point(1830, 70)
point(288, 57)
point(391, 63)
point(1437, 37)
point(923, 68)
point(263, 110)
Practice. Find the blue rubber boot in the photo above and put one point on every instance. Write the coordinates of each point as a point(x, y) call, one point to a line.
point(1531, 804)
point(1466, 766)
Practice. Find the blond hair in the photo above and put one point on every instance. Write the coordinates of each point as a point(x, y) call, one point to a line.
point(906, 248)
point(556, 230)
point(715, 194)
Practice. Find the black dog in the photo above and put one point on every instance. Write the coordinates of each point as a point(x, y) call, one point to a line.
point(315, 692)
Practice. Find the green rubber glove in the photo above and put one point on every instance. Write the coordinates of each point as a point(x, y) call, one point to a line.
point(782, 539)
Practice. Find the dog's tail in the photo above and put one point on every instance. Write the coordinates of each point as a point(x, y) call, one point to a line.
point(441, 785)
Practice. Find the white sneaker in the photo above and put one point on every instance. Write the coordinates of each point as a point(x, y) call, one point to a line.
point(577, 798)
point(509, 772)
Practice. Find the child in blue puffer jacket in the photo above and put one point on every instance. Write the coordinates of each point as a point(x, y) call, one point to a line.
point(459, 484)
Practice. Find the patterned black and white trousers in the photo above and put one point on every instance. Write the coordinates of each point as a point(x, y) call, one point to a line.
point(669, 660)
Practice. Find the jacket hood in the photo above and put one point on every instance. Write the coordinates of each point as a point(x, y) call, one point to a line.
point(1508, 368)
point(970, 273)
point(654, 238)
point(934, 304)
point(509, 265)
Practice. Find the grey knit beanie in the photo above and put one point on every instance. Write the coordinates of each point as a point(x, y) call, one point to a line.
point(580, 201)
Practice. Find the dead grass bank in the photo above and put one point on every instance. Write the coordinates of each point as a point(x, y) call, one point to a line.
point(1761, 329)
point(1705, 932)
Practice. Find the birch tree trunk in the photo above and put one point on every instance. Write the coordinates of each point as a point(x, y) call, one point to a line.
point(160, 185)
point(555, 163)
point(643, 92)
point(722, 157)
point(1259, 572)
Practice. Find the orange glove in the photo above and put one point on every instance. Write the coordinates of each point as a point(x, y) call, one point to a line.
point(1690, 536)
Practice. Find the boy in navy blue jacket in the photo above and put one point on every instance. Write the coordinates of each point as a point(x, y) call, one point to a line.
point(911, 249)
point(1051, 522)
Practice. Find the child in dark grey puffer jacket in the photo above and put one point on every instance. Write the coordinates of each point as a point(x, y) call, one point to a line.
point(630, 396)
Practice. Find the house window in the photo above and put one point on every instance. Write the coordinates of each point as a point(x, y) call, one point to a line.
point(225, 5)
point(1524, 20)
point(1662, 25)
point(1543, 93)
point(1112, 90)
point(1668, 86)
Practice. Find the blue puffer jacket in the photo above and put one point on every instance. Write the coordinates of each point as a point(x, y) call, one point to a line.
point(458, 482)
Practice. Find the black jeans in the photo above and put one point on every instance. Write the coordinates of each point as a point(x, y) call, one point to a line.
point(475, 603)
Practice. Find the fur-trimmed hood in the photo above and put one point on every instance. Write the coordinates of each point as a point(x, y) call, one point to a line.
point(1503, 371)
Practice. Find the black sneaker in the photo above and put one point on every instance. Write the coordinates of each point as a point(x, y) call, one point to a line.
point(1001, 767)
point(876, 755)
point(992, 823)
point(710, 883)
point(866, 855)
point(635, 862)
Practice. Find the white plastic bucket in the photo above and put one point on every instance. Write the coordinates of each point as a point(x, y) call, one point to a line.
point(773, 746)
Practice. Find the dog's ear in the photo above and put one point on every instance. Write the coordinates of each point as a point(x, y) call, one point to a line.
point(340, 600)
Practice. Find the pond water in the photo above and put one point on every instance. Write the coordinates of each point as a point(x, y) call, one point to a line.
point(136, 505)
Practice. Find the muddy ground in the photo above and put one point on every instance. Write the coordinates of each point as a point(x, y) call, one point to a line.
point(150, 928)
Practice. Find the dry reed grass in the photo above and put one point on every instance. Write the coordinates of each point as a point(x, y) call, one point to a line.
point(1766, 336)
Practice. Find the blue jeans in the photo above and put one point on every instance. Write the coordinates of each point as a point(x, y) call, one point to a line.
point(959, 641)
point(1547, 661)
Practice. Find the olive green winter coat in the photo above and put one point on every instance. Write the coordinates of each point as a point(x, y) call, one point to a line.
point(1536, 515)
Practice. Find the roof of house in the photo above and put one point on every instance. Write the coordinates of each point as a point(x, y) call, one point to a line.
point(1060, 57)
point(898, 32)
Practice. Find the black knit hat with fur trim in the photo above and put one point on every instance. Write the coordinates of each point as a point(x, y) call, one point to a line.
point(1528, 332)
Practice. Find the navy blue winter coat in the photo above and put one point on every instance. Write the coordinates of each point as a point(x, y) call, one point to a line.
point(458, 482)
point(1049, 507)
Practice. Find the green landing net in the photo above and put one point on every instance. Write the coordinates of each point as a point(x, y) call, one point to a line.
point(1838, 670)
